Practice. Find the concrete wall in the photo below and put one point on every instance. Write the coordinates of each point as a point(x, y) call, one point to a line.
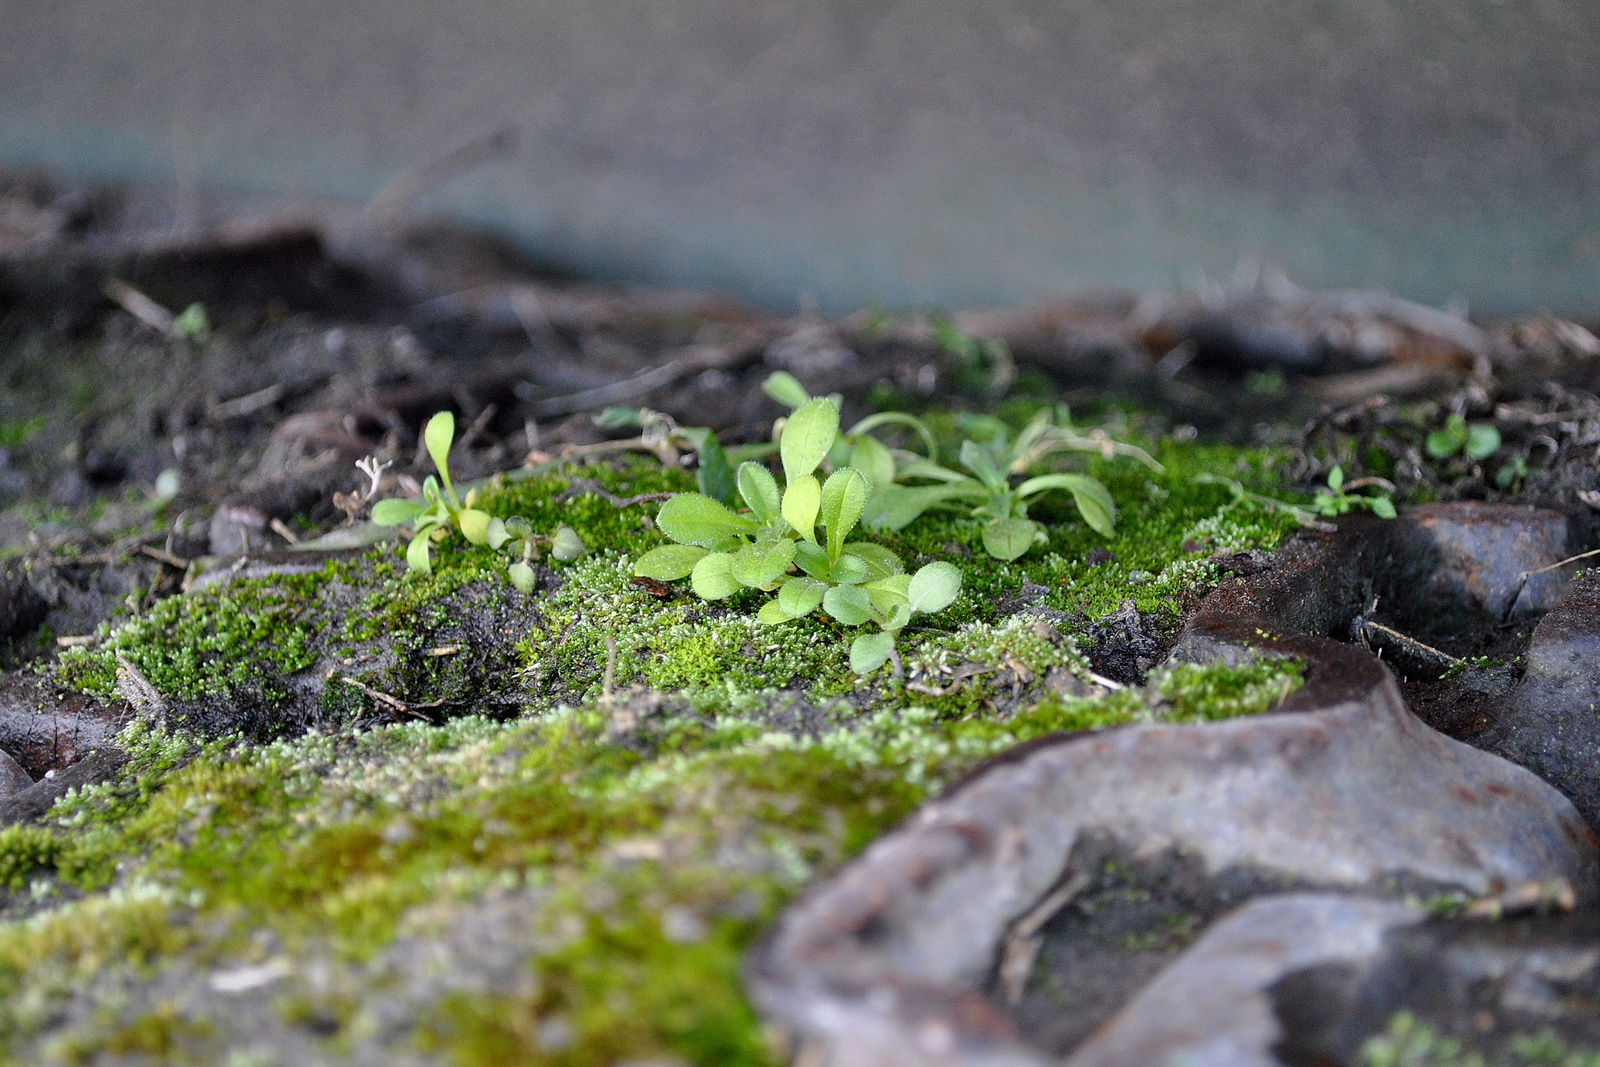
point(962, 151)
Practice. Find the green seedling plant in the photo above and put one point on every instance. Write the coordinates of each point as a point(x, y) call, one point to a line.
point(1338, 499)
point(986, 488)
point(794, 543)
point(856, 447)
point(432, 518)
point(1477, 441)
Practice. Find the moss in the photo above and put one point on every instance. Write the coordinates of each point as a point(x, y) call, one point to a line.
point(648, 837)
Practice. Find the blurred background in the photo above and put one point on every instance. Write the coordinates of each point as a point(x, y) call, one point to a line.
point(844, 152)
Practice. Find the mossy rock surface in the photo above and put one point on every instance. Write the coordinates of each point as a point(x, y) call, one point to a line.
point(523, 865)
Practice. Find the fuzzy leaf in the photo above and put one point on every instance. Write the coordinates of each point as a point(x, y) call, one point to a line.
point(785, 389)
point(716, 473)
point(850, 604)
point(801, 502)
point(848, 570)
point(712, 577)
point(759, 565)
point(807, 436)
point(811, 559)
point(1383, 507)
point(474, 525)
point(695, 519)
point(1336, 478)
point(417, 555)
point(760, 492)
point(773, 614)
point(801, 596)
point(889, 593)
point(395, 512)
point(879, 560)
point(934, 587)
point(1090, 494)
point(496, 535)
point(883, 418)
point(1008, 539)
point(868, 652)
point(568, 545)
point(669, 562)
point(843, 496)
point(521, 576)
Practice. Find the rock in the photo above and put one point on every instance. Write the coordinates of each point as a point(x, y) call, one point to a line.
point(22, 607)
point(1215, 1008)
point(45, 728)
point(1552, 726)
point(892, 961)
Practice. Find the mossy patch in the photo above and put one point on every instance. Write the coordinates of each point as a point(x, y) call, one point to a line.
point(672, 775)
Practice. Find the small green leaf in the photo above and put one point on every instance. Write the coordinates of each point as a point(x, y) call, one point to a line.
point(496, 535)
point(567, 544)
point(474, 525)
point(1383, 507)
point(844, 494)
point(811, 559)
point(715, 474)
point(521, 576)
point(873, 459)
point(850, 604)
point(807, 436)
point(759, 565)
point(801, 596)
point(440, 431)
point(397, 512)
point(616, 418)
point(976, 459)
point(1090, 494)
point(868, 652)
point(695, 519)
point(1336, 479)
point(879, 560)
point(760, 492)
point(517, 526)
point(1008, 539)
point(889, 593)
point(883, 418)
point(848, 570)
point(669, 562)
point(773, 614)
point(1483, 441)
point(785, 389)
point(898, 506)
point(417, 555)
point(934, 587)
point(712, 577)
point(801, 502)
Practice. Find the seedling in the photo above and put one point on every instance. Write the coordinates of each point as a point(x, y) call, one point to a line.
point(794, 543)
point(432, 517)
point(1337, 499)
point(987, 491)
point(1478, 441)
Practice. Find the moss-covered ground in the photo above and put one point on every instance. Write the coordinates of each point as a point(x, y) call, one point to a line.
point(570, 872)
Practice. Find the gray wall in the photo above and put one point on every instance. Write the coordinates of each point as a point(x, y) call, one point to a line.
point(958, 152)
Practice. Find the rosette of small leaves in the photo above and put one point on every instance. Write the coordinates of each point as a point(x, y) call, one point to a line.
point(515, 537)
point(1477, 441)
point(794, 542)
point(1337, 499)
point(432, 517)
point(440, 508)
point(855, 447)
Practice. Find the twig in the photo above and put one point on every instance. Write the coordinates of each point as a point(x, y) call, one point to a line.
point(139, 306)
point(165, 557)
point(412, 182)
point(1522, 579)
point(249, 404)
point(701, 359)
point(581, 486)
point(1408, 644)
point(477, 427)
point(392, 702)
point(610, 679)
point(1023, 942)
point(280, 528)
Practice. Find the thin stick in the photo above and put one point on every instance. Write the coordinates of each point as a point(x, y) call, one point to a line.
point(1410, 644)
point(647, 381)
point(139, 306)
point(609, 681)
point(1522, 579)
point(391, 701)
